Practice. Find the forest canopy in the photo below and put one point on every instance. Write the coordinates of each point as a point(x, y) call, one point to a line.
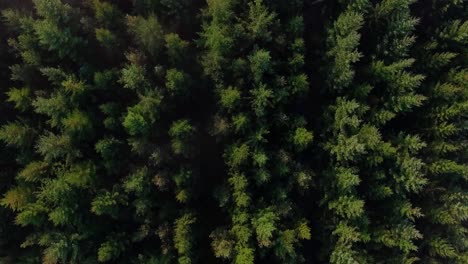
point(233, 131)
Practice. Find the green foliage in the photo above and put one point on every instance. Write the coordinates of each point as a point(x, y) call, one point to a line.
point(182, 237)
point(260, 20)
point(442, 248)
point(338, 122)
point(52, 147)
point(230, 98)
point(260, 159)
point(216, 38)
point(299, 84)
point(110, 150)
point(20, 97)
point(136, 182)
point(303, 231)
point(16, 198)
point(346, 178)
point(238, 155)
point(302, 138)
point(54, 107)
point(80, 175)
point(347, 207)
point(55, 191)
point(55, 75)
point(135, 123)
point(74, 87)
point(245, 256)
point(411, 175)
point(240, 122)
point(110, 250)
point(105, 79)
point(239, 184)
point(60, 216)
point(141, 117)
point(261, 99)
point(34, 171)
point(148, 33)
point(106, 203)
point(16, 134)
point(285, 246)
point(222, 245)
point(105, 12)
point(176, 81)
point(53, 9)
point(77, 123)
point(181, 132)
point(106, 37)
point(400, 237)
point(176, 48)
point(260, 64)
point(31, 214)
point(265, 225)
point(343, 41)
point(56, 39)
point(133, 77)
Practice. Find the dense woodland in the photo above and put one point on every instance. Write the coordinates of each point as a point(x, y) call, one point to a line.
point(233, 131)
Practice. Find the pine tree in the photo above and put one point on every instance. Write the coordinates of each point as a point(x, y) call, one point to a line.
point(11, 235)
point(373, 96)
point(399, 168)
point(441, 51)
point(160, 137)
point(240, 131)
point(343, 141)
point(52, 129)
point(247, 124)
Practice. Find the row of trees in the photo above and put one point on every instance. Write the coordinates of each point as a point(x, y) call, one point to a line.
point(234, 131)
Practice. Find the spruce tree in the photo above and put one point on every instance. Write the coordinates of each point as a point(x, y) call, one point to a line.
point(264, 137)
point(374, 167)
point(233, 131)
point(441, 50)
point(55, 128)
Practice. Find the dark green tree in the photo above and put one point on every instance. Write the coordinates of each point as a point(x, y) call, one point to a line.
point(233, 131)
point(441, 51)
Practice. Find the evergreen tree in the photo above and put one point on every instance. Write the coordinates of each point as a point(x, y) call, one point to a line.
point(255, 119)
point(441, 51)
point(55, 129)
point(233, 131)
point(366, 146)
point(344, 141)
